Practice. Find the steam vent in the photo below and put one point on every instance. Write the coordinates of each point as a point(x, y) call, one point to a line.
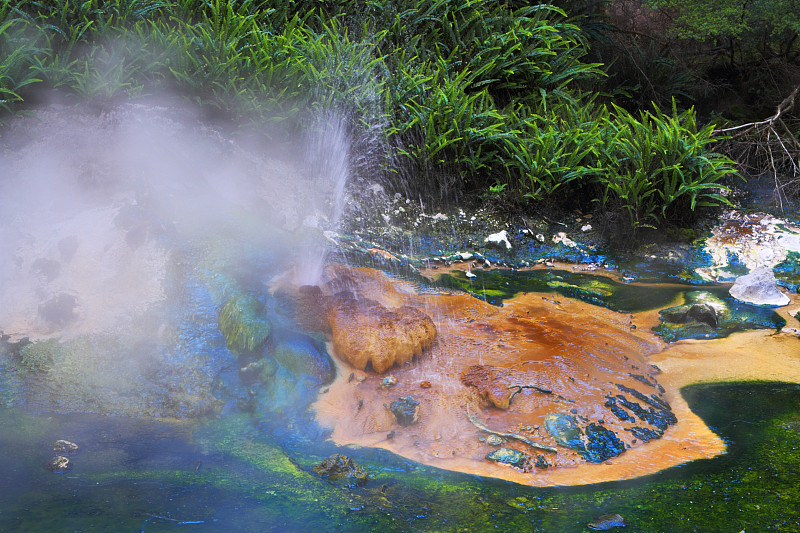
point(538, 391)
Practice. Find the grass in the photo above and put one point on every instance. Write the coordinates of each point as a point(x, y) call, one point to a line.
point(452, 97)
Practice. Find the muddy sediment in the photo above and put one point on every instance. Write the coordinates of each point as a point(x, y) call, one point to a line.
point(510, 368)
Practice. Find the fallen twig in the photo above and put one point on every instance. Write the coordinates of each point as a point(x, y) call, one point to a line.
point(480, 425)
point(518, 388)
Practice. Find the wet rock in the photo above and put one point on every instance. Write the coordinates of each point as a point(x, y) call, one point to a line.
point(242, 324)
point(564, 429)
point(645, 434)
point(405, 410)
point(65, 447)
point(695, 313)
point(59, 310)
point(759, 288)
point(488, 380)
point(494, 440)
point(339, 466)
point(607, 521)
point(59, 464)
point(541, 462)
point(509, 456)
point(303, 356)
point(367, 333)
point(601, 444)
point(659, 414)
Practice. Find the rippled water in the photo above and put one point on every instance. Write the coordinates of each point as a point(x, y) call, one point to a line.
point(228, 476)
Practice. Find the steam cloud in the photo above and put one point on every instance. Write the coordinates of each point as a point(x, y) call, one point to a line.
point(88, 200)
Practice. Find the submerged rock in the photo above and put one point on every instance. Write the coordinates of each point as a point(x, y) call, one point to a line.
point(509, 456)
point(339, 466)
point(759, 287)
point(405, 410)
point(304, 357)
point(607, 521)
point(65, 447)
point(59, 464)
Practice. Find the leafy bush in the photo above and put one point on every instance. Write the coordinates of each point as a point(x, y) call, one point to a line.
point(469, 95)
point(657, 167)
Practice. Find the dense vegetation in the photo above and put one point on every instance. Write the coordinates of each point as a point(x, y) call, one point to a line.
point(451, 97)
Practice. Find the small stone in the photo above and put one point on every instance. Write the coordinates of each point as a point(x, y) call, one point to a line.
point(389, 381)
point(65, 447)
point(499, 239)
point(508, 456)
point(541, 462)
point(59, 464)
point(425, 385)
point(469, 274)
point(607, 521)
point(494, 440)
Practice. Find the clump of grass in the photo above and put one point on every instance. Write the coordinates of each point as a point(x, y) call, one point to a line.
point(658, 167)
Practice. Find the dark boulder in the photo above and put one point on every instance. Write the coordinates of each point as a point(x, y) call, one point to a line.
point(339, 466)
point(405, 410)
point(602, 444)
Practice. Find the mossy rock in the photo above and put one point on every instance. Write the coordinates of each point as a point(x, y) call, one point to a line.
point(39, 356)
point(242, 324)
point(693, 319)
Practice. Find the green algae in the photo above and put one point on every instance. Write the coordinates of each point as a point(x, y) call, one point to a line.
point(498, 285)
point(233, 476)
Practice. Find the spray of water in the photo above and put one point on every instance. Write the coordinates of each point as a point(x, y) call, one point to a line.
point(101, 211)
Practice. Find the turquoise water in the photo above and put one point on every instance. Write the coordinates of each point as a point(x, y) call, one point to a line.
point(232, 475)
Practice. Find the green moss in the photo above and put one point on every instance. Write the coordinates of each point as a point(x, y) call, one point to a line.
point(243, 325)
